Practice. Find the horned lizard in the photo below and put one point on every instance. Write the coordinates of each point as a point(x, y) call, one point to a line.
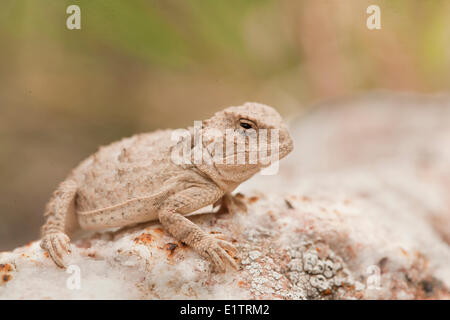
point(136, 180)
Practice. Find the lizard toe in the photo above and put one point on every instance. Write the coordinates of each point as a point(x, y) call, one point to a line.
point(217, 254)
point(224, 255)
point(56, 244)
point(215, 259)
point(226, 245)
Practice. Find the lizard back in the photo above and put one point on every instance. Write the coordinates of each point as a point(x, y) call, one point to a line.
point(134, 167)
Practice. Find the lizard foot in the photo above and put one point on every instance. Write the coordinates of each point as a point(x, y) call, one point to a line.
point(213, 248)
point(57, 245)
point(230, 204)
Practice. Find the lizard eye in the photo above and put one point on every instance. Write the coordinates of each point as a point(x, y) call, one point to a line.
point(247, 124)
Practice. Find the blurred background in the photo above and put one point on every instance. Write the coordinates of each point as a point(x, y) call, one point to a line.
point(139, 65)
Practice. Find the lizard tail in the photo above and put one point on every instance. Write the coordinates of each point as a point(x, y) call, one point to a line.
point(60, 210)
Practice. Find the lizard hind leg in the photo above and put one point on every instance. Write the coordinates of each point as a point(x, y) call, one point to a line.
point(60, 220)
point(230, 204)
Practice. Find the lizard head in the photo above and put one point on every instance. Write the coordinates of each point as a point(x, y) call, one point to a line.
point(244, 139)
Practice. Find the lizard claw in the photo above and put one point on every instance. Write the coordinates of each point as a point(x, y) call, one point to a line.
point(214, 249)
point(57, 245)
point(230, 204)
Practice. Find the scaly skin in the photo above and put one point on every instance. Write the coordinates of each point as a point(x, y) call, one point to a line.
point(135, 180)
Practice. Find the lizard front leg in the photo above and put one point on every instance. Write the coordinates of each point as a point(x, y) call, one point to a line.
point(208, 246)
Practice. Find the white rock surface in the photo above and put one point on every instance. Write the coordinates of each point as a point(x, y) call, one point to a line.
point(360, 210)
